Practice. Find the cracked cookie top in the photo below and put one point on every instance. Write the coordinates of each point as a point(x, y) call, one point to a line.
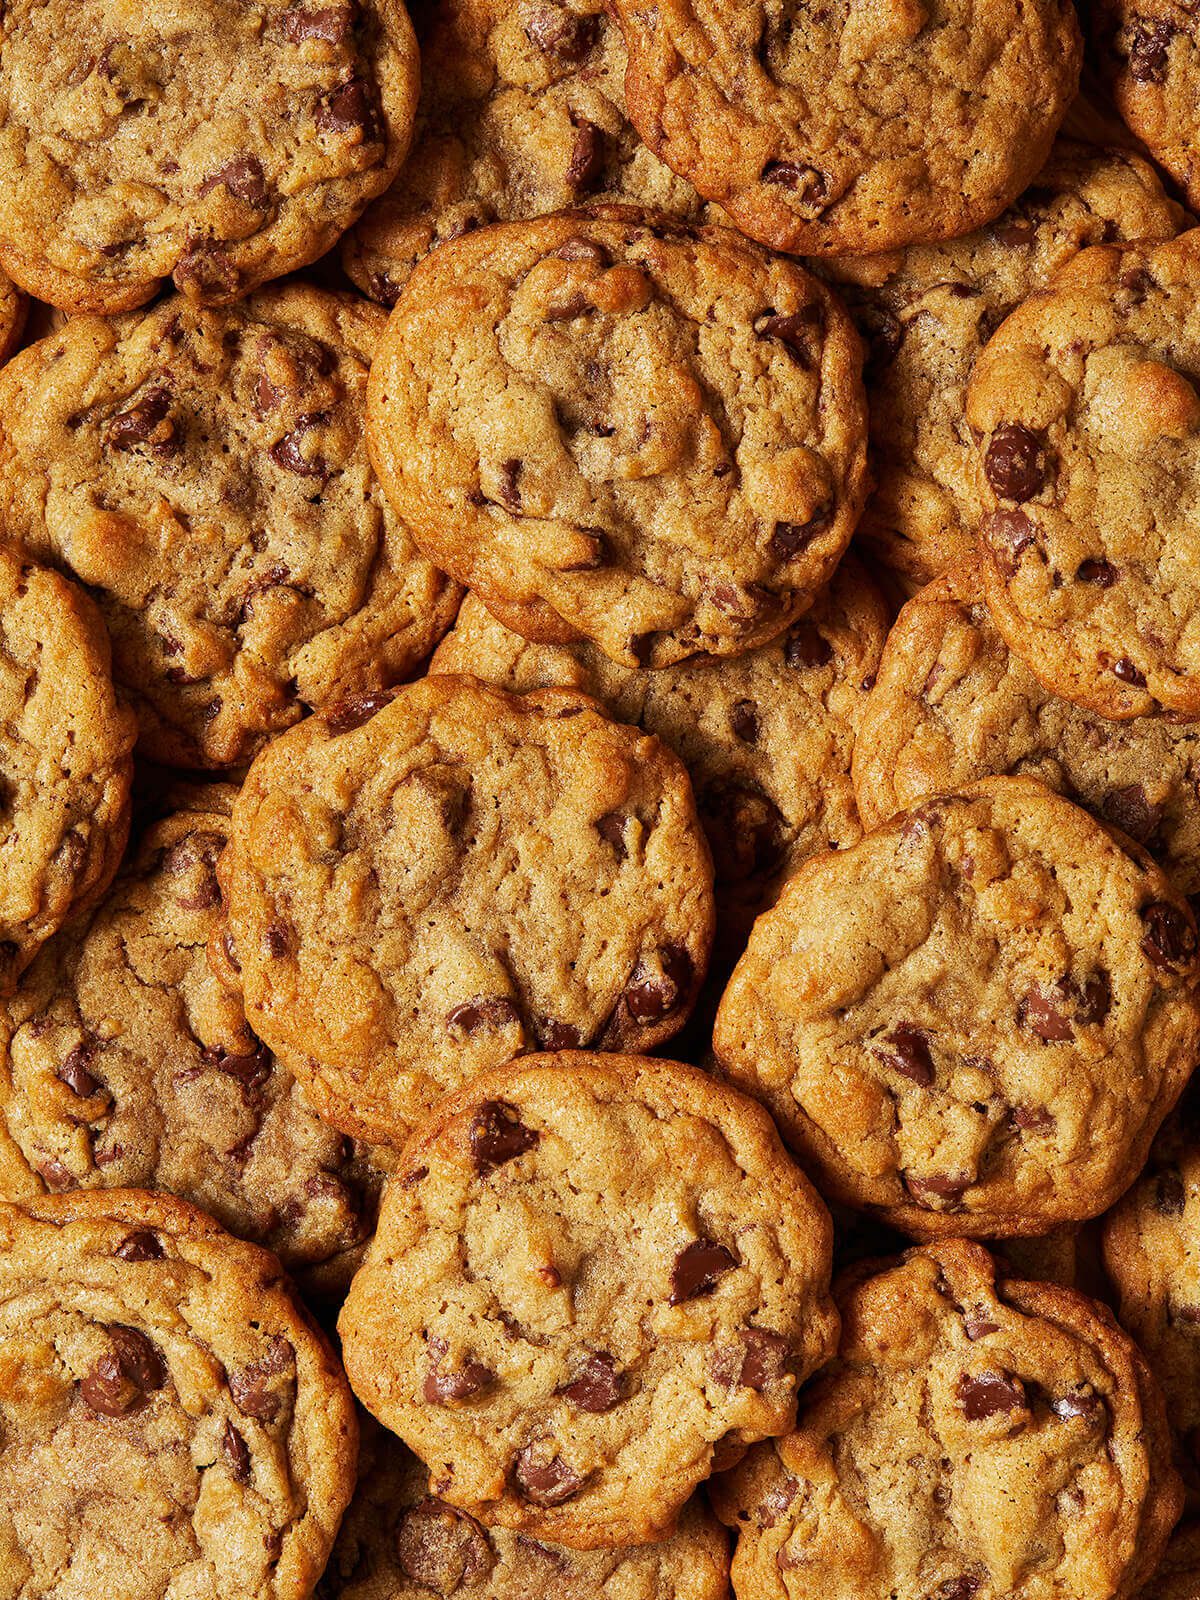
point(422, 888)
point(944, 1017)
point(204, 472)
point(595, 1279)
point(645, 435)
point(215, 143)
point(859, 125)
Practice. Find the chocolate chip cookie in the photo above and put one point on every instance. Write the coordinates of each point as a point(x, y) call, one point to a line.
point(766, 737)
point(977, 1436)
point(1178, 1574)
point(400, 1542)
point(595, 1279)
point(975, 1020)
point(1086, 417)
point(852, 127)
point(125, 1064)
point(212, 143)
point(1149, 56)
point(204, 472)
point(623, 430)
point(172, 1422)
point(66, 763)
point(927, 312)
point(421, 889)
point(522, 112)
point(952, 703)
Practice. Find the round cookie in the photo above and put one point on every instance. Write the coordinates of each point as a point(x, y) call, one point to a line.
point(522, 112)
point(172, 1422)
point(399, 1542)
point(974, 1021)
point(14, 312)
point(926, 313)
point(125, 1064)
point(1178, 1575)
point(951, 703)
point(419, 892)
point(1086, 418)
point(213, 143)
point(1149, 56)
point(205, 473)
point(977, 1436)
point(623, 430)
point(853, 126)
point(766, 737)
point(66, 763)
point(595, 1279)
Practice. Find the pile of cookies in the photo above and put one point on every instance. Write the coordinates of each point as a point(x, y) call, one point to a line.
point(599, 656)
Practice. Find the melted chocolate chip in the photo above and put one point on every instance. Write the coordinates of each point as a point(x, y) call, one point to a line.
point(349, 109)
point(330, 24)
point(977, 1324)
point(279, 941)
point(611, 828)
point(599, 1386)
point(1009, 533)
point(1082, 1403)
point(484, 1011)
point(237, 1456)
point(806, 648)
point(206, 271)
point(352, 713)
point(659, 984)
point(757, 1360)
point(906, 1050)
point(697, 1268)
point(939, 1186)
point(809, 185)
point(1096, 571)
point(289, 454)
point(800, 331)
point(577, 248)
point(961, 1588)
point(1150, 50)
point(553, 1035)
point(1131, 809)
point(129, 1371)
point(1129, 672)
point(145, 423)
point(1169, 939)
point(587, 155)
point(989, 1394)
point(444, 1387)
point(243, 177)
point(1043, 1013)
point(545, 1482)
point(562, 33)
point(441, 1548)
point(790, 538)
point(251, 1388)
point(140, 1246)
point(250, 1068)
point(508, 483)
point(1015, 464)
point(497, 1135)
point(75, 1072)
point(744, 718)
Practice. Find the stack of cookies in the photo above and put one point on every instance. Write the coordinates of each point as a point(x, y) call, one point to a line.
point(599, 648)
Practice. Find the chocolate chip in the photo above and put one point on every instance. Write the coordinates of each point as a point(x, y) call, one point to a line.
point(358, 709)
point(810, 186)
point(1129, 672)
point(442, 1548)
point(1032, 1119)
point(1009, 533)
point(790, 538)
point(243, 177)
point(906, 1050)
point(961, 1588)
point(697, 1269)
point(237, 1456)
point(288, 452)
point(251, 1387)
point(937, 1186)
point(977, 1324)
point(55, 1176)
point(444, 1387)
point(1015, 233)
point(545, 1482)
point(497, 1135)
point(800, 331)
point(145, 423)
point(140, 1246)
point(128, 1371)
point(659, 984)
point(206, 271)
point(1170, 1195)
point(1131, 809)
point(250, 1068)
point(757, 1360)
point(1169, 939)
point(1080, 1403)
point(330, 24)
point(230, 949)
point(745, 829)
point(484, 1011)
point(1042, 1013)
point(278, 941)
point(989, 1394)
point(1150, 50)
point(75, 1074)
point(1014, 463)
point(587, 155)
point(748, 604)
point(1102, 574)
point(562, 33)
point(554, 1035)
point(599, 1386)
point(611, 828)
point(744, 718)
point(805, 648)
point(577, 248)
point(349, 109)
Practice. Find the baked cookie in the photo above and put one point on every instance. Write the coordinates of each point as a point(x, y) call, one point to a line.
point(1086, 417)
point(204, 472)
point(125, 1064)
point(623, 430)
point(66, 762)
point(215, 143)
point(977, 1436)
point(1178, 1574)
point(419, 892)
point(853, 126)
point(951, 703)
point(522, 112)
point(173, 1424)
point(595, 1279)
point(14, 312)
point(974, 1021)
point(766, 737)
point(1149, 55)
point(926, 313)
point(400, 1542)
point(1152, 1253)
